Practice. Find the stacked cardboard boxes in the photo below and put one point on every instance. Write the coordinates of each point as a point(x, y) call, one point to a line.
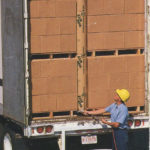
point(54, 85)
point(111, 25)
point(115, 25)
point(53, 30)
point(53, 26)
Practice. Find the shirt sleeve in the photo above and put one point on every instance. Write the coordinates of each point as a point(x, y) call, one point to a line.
point(109, 108)
point(123, 114)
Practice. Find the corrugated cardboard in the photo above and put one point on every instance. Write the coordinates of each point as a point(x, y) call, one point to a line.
point(135, 63)
point(57, 79)
point(50, 44)
point(102, 41)
point(52, 26)
point(137, 97)
point(58, 43)
point(134, 6)
point(67, 101)
point(68, 43)
point(44, 103)
point(65, 8)
point(44, 8)
point(111, 23)
point(116, 40)
point(68, 25)
point(136, 80)
point(52, 8)
point(35, 44)
point(134, 39)
point(38, 26)
point(100, 7)
point(107, 73)
point(39, 86)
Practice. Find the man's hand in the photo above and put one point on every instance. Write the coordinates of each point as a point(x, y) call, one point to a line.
point(113, 124)
point(104, 121)
point(85, 112)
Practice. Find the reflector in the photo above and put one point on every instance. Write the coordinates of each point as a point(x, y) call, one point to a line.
point(137, 123)
point(130, 123)
point(40, 129)
point(49, 129)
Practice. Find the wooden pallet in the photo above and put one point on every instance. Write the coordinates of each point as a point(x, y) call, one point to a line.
point(136, 109)
point(115, 52)
point(53, 56)
point(75, 114)
point(53, 115)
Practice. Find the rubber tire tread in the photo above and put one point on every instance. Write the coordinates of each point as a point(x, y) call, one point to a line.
point(3, 132)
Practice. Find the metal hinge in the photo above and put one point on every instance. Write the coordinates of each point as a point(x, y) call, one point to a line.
point(81, 99)
point(80, 17)
point(80, 60)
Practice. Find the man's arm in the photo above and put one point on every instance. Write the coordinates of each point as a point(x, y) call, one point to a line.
point(95, 112)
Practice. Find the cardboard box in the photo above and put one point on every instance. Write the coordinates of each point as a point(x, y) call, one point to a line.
point(134, 6)
point(68, 25)
point(108, 73)
point(67, 101)
point(119, 80)
point(114, 64)
point(135, 63)
point(100, 7)
point(52, 8)
point(104, 41)
point(57, 79)
point(50, 44)
point(65, 8)
point(99, 69)
point(98, 82)
point(38, 26)
point(68, 43)
point(134, 39)
point(36, 69)
point(39, 86)
point(53, 35)
point(98, 23)
point(44, 103)
point(100, 99)
point(53, 26)
point(137, 80)
point(35, 44)
point(44, 8)
point(137, 97)
point(111, 23)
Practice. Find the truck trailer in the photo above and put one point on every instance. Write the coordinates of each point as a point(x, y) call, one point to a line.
point(61, 57)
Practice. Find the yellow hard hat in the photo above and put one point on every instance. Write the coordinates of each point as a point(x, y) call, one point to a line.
point(123, 94)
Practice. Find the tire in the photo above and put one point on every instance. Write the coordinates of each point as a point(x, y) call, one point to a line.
point(7, 139)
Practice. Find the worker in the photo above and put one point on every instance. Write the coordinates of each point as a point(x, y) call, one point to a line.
point(119, 116)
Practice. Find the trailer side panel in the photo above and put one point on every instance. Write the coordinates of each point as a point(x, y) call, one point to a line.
point(13, 59)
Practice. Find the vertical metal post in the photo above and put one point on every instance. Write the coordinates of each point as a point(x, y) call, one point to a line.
point(81, 54)
point(62, 141)
point(147, 58)
point(1, 70)
point(26, 51)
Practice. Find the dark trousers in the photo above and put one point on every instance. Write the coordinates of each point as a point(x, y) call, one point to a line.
point(120, 139)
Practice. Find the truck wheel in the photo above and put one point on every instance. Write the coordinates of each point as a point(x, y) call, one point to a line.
point(7, 139)
point(7, 142)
